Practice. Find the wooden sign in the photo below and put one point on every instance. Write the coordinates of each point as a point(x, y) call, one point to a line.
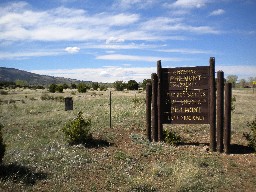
point(185, 97)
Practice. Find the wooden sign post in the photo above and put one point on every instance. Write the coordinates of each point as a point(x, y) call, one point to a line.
point(187, 95)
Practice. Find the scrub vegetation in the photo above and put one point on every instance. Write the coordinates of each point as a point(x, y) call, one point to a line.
point(38, 156)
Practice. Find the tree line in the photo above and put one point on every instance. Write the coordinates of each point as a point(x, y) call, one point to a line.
point(242, 83)
point(81, 87)
point(117, 85)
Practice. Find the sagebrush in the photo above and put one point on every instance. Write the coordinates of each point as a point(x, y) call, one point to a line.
point(251, 136)
point(171, 137)
point(78, 130)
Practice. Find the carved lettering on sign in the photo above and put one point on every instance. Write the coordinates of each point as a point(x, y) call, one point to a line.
point(186, 98)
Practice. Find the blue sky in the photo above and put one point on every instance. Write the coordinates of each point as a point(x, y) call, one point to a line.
point(109, 40)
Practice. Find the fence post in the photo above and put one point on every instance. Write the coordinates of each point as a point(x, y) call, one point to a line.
point(159, 103)
point(227, 122)
point(212, 104)
point(148, 110)
point(220, 110)
point(110, 115)
point(154, 107)
point(68, 103)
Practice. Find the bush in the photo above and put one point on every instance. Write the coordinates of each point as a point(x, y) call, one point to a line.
point(103, 88)
point(77, 131)
point(171, 137)
point(59, 88)
point(81, 88)
point(52, 88)
point(73, 86)
point(119, 85)
point(233, 107)
point(132, 85)
point(45, 97)
point(65, 86)
point(2, 145)
point(251, 136)
point(95, 86)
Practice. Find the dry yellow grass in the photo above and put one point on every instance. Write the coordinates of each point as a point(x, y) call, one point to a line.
point(38, 157)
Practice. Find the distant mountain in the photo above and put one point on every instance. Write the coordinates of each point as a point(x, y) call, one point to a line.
point(11, 75)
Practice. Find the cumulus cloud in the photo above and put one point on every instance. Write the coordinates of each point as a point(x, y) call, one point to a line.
point(105, 74)
point(28, 54)
point(187, 51)
point(242, 71)
point(20, 22)
point(176, 25)
point(122, 57)
point(133, 4)
point(114, 73)
point(114, 40)
point(72, 50)
point(189, 4)
point(217, 12)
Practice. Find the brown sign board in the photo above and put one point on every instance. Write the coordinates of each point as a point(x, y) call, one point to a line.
point(185, 95)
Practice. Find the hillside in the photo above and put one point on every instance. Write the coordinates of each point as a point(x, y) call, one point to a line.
point(11, 75)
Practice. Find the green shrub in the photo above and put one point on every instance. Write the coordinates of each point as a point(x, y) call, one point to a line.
point(52, 88)
point(73, 86)
point(59, 88)
point(251, 136)
point(45, 96)
point(2, 145)
point(81, 88)
point(77, 131)
point(103, 88)
point(95, 86)
point(132, 85)
point(119, 85)
point(233, 106)
point(171, 137)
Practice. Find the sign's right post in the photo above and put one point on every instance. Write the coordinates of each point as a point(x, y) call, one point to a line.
point(227, 122)
point(212, 101)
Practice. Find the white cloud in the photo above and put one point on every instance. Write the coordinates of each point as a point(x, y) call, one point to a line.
point(72, 49)
point(217, 12)
point(114, 73)
point(175, 25)
point(69, 24)
point(189, 4)
point(60, 24)
point(121, 57)
point(106, 74)
point(242, 71)
point(187, 51)
point(28, 54)
point(114, 40)
point(134, 4)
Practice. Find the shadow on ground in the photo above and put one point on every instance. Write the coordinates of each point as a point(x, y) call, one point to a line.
point(19, 173)
point(240, 149)
point(194, 144)
point(234, 148)
point(97, 143)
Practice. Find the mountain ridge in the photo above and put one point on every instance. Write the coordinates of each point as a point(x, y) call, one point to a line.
point(12, 75)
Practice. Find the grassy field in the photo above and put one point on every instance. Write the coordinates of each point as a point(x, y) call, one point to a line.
point(38, 157)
